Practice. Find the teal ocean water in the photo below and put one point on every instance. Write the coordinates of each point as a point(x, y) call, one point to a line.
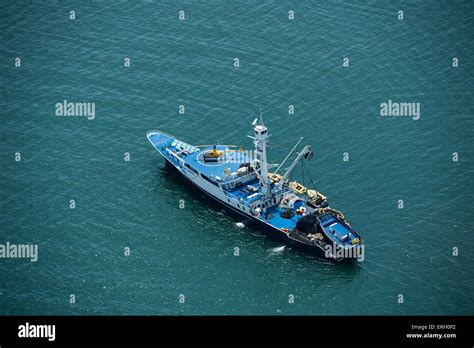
point(190, 62)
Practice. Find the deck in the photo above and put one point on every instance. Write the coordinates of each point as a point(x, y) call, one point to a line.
point(248, 193)
point(193, 155)
point(273, 217)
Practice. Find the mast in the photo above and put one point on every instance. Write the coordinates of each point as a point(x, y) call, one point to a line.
point(260, 141)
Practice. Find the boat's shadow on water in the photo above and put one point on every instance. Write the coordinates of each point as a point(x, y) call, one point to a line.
point(181, 187)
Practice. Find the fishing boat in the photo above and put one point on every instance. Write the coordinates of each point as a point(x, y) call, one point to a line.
point(240, 182)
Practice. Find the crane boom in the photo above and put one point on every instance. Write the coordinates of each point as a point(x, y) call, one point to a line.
point(289, 154)
point(306, 153)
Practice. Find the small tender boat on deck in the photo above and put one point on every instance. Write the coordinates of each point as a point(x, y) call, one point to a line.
point(284, 210)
